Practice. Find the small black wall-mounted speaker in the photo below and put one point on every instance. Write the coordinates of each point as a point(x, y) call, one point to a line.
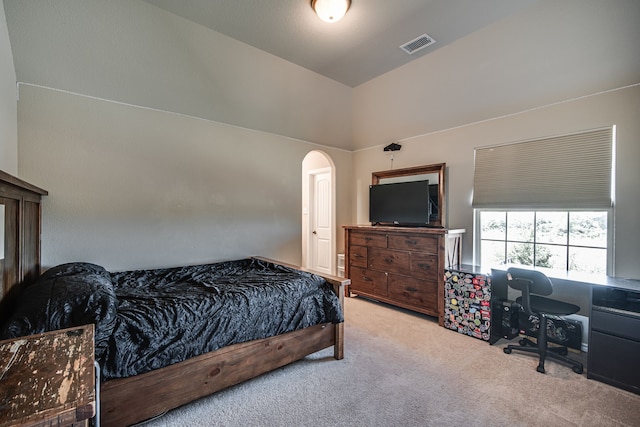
point(394, 146)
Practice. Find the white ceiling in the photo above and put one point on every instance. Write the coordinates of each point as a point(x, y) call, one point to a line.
point(361, 46)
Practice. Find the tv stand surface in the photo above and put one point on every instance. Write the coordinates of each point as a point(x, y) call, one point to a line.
point(379, 224)
point(401, 265)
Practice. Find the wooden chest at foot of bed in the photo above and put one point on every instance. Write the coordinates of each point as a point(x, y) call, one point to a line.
point(48, 379)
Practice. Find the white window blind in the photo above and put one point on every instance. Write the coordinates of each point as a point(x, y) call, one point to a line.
point(563, 172)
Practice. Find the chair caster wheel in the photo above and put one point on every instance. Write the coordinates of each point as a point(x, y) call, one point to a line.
point(507, 350)
point(522, 343)
point(540, 369)
point(577, 369)
point(563, 352)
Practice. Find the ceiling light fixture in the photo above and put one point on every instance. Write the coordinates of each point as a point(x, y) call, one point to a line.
point(330, 10)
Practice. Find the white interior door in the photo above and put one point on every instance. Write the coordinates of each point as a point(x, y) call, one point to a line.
point(321, 209)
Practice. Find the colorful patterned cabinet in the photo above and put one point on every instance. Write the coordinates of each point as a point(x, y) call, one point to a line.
point(467, 302)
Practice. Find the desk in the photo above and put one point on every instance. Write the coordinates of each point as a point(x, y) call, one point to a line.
point(48, 379)
point(614, 323)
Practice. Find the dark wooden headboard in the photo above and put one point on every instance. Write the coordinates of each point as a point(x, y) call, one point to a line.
point(22, 225)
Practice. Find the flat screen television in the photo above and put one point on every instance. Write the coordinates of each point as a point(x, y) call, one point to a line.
point(400, 203)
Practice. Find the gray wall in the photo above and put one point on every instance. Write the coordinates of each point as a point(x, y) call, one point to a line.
point(551, 52)
point(131, 187)
point(456, 148)
point(8, 108)
point(218, 175)
point(133, 52)
point(558, 67)
point(162, 142)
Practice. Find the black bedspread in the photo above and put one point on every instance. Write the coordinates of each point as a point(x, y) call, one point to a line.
point(148, 319)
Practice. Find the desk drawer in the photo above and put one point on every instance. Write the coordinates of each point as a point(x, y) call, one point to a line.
point(614, 360)
point(616, 323)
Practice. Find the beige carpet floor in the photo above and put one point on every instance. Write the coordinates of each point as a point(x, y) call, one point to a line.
point(402, 369)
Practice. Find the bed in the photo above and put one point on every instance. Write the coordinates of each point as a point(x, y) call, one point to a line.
point(165, 337)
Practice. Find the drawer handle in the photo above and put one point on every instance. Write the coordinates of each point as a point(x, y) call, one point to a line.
point(366, 279)
point(358, 256)
point(424, 266)
point(368, 239)
point(411, 242)
point(388, 260)
point(411, 289)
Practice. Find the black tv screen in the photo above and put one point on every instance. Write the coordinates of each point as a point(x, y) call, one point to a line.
point(400, 203)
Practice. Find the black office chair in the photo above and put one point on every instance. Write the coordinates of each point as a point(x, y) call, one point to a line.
point(531, 282)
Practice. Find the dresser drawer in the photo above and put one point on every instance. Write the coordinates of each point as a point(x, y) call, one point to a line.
point(368, 281)
point(368, 239)
point(412, 242)
point(358, 256)
point(416, 292)
point(423, 265)
point(388, 260)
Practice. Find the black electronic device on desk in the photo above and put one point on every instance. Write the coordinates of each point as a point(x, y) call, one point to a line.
point(505, 320)
point(614, 340)
point(504, 312)
point(560, 330)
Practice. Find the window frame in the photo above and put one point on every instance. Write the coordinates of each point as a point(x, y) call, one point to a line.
point(477, 237)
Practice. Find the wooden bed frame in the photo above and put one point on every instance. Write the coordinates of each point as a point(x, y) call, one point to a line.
point(130, 400)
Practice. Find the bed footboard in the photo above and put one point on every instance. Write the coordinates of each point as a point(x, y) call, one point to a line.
point(130, 400)
point(339, 287)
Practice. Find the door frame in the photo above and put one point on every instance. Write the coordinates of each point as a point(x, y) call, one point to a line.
point(307, 215)
point(312, 214)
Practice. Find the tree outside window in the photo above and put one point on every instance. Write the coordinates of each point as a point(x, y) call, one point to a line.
point(565, 240)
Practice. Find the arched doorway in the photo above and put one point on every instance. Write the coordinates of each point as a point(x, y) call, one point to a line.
point(318, 213)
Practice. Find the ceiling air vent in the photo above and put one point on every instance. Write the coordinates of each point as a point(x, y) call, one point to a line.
point(417, 44)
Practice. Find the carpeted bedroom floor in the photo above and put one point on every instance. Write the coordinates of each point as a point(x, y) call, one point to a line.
point(402, 369)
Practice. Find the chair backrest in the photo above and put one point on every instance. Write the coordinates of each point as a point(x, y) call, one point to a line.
point(533, 280)
point(529, 282)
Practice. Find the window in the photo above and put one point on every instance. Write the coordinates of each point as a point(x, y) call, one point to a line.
point(564, 240)
point(547, 202)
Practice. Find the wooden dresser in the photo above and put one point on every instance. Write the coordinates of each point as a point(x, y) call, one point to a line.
point(403, 266)
point(19, 237)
